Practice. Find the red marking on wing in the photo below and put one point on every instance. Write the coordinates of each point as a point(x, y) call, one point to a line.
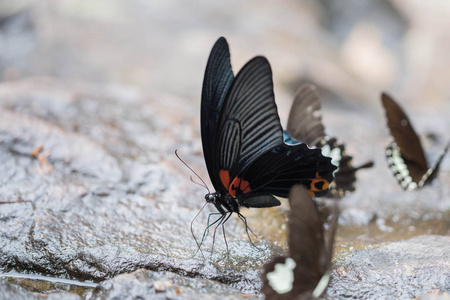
point(225, 178)
point(241, 184)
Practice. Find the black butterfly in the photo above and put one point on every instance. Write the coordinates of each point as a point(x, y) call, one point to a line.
point(305, 273)
point(405, 154)
point(305, 124)
point(242, 138)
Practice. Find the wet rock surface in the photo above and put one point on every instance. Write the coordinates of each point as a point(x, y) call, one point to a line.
point(144, 284)
point(14, 292)
point(89, 125)
point(400, 270)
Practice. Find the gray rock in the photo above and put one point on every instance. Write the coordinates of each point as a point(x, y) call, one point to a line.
point(144, 284)
point(109, 203)
point(400, 270)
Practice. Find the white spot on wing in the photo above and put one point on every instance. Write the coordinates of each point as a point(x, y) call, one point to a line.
point(335, 154)
point(281, 279)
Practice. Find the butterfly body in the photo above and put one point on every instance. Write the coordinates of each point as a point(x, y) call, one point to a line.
point(247, 160)
point(405, 155)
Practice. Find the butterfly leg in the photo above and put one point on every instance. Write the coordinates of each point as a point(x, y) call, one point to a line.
point(223, 220)
point(220, 220)
point(205, 233)
point(223, 230)
point(247, 228)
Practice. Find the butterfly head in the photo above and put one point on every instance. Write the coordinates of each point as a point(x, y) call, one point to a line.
point(212, 197)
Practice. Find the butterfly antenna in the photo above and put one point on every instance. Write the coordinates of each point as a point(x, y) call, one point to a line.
point(176, 153)
point(198, 183)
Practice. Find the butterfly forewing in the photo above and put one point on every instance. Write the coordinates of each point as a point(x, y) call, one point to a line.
point(406, 138)
point(305, 120)
point(306, 237)
point(248, 124)
point(309, 261)
point(217, 80)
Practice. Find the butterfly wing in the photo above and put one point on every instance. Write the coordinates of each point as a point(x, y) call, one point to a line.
point(305, 120)
point(433, 171)
point(253, 159)
point(306, 270)
point(305, 124)
point(344, 177)
point(249, 122)
point(217, 80)
point(405, 138)
point(279, 168)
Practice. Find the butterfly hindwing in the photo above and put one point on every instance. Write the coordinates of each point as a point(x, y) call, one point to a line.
point(305, 125)
point(279, 168)
point(433, 171)
point(217, 80)
point(345, 176)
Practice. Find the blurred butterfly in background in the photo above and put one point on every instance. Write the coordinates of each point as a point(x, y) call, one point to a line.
point(305, 273)
point(405, 154)
point(305, 125)
point(246, 157)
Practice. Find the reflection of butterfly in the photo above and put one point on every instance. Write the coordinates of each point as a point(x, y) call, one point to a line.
point(306, 272)
point(405, 154)
point(242, 138)
point(305, 125)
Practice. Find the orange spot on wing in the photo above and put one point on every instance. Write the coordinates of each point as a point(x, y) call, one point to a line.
point(241, 184)
point(319, 184)
point(225, 178)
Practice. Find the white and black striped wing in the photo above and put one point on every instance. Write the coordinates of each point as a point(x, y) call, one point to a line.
point(248, 124)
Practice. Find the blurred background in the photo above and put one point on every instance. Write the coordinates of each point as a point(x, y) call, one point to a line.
point(351, 48)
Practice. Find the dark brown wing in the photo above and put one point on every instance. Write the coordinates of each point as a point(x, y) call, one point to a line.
point(305, 120)
point(306, 240)
point(432, 172)
point(309, 261)
point(406, 138)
